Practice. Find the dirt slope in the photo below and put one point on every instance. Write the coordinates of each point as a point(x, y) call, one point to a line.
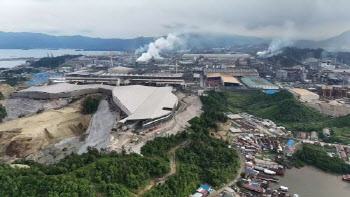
point(23, 136)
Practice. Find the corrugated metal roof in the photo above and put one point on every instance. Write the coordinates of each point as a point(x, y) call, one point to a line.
point(145, 102)
point(228, 78)
point(63, 87)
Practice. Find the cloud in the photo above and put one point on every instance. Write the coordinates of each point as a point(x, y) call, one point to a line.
point(109, 18)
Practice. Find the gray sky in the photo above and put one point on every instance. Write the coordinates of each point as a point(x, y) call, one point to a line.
point(312, 19)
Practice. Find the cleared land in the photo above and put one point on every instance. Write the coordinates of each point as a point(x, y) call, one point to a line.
point(23, 136)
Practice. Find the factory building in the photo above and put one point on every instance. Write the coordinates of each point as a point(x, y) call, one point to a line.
point(142, 106)
point(304, 95)
point(221, 79)
point(236, 72)
point(120, 70)
point(333, 92)
point(62, 90)
point(258, 83)
point(151, 105)
point(281, 75)
point(117, 78)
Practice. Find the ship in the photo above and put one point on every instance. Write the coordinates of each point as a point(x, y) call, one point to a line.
point(346, 177)
point(279, 170)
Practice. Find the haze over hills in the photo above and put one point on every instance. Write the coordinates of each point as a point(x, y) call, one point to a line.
point(27, 40)
point(340, 42)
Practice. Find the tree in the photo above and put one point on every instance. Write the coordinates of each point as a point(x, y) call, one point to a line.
point(90, 105)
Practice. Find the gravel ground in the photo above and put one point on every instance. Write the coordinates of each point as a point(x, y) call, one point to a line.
point(23, 106)
point(100, 128)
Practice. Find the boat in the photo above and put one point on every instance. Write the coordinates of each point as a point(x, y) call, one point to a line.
point(346, 177)
point(270, 172)
point(279, 170)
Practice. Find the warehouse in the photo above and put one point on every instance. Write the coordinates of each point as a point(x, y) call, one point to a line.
point(151, 105)
point(61, 90)
point(305, 95)
point(258, 83)
point(228, 80)
point(223, 79)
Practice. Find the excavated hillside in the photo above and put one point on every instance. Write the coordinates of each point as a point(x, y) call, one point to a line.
point(332, 108)
point(23, 136)
point(6, 90)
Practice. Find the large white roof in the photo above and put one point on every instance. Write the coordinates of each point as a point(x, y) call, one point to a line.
point(63, 87)
point(144, 102)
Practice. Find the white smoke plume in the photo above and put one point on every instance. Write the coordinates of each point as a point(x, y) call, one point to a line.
point(275, 48)
point(277, 45)
point(161, 44)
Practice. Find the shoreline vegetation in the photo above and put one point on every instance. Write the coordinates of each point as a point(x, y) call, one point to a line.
point(286, 111)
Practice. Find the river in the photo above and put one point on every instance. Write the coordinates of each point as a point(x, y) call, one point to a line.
point(11, 63)
point(312, 182)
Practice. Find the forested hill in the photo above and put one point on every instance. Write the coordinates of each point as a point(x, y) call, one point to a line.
point(203, 159)
point(11, 40)
point(292, 56)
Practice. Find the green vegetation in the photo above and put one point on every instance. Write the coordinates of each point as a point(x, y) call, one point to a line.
point(317, 156)
point(90, 104)
point(86, 175)
point(15, 76)
point(3, 113)
point(291, 56)
point(338, 135)
point(1, 96)
point(280, 107)
point(285, 110)
point(13, 81)
point(161, 145)
point(202, 159)
point(53, 62)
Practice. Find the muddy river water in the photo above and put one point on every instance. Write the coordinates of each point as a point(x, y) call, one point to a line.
point(312, 182)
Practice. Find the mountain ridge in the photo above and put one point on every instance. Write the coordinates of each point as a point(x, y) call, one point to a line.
point(29, 40)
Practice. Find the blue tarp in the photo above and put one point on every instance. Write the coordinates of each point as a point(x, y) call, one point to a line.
point(204, 186)
point(255, 185)
point(270, 91)
point(41, 78)
point(290, 142)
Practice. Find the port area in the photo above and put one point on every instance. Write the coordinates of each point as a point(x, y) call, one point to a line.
point(263, 147)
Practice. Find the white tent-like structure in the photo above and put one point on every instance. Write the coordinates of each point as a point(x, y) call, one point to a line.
point(145, 103)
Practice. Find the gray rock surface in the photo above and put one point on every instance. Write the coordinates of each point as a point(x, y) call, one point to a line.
point(23, 106)
point(100, 128)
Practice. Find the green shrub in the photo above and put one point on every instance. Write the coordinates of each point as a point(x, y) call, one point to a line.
point(90, 105)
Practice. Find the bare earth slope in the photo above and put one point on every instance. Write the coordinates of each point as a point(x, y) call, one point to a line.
point(23, 136)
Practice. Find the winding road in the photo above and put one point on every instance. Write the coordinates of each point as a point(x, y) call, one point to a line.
point(162, 179)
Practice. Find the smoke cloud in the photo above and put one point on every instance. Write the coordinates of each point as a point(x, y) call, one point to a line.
point(277, 45)
point(156, 47)
point(275, 48)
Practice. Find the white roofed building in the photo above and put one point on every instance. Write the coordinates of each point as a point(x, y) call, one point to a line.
point(145, 104)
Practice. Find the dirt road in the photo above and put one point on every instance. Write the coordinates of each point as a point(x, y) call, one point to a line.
point(172, 171)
